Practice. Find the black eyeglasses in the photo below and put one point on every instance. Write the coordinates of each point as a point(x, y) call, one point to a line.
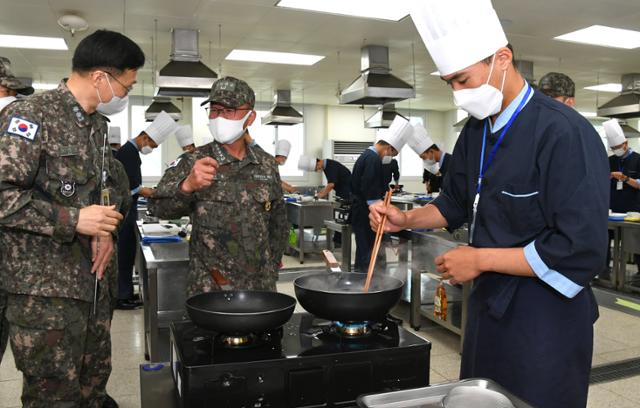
point(126, 88)
point(225, 112)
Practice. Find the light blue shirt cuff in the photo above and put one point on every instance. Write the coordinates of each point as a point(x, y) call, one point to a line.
point(552, 278)
point(369, 202)
point(638, 181)
point(136, 190)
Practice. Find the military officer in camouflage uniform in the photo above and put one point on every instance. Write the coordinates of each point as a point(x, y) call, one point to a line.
point(10, 87)
point(233, 194)
point(559, 87)
point(55, 233)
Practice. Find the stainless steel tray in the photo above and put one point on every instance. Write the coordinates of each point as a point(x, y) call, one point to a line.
point(431, 397)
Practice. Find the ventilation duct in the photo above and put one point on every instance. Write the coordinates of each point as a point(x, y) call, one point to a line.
point(629, 132)
point(383, 117)
point(281, 113)
point(627, 104)
point(159, 104)
point(376, 85)
point(185, 74)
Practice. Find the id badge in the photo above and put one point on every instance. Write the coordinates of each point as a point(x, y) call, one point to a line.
point(619, 185)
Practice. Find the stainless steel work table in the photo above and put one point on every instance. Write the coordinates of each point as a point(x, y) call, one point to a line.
point(628, 242)
point(345, 245)
point(308, 215)
point(163, 271)
point(418, 250)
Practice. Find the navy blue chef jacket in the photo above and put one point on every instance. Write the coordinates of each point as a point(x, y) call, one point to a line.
point(129, 156)
point(367, 185)
point(547, 190)
point(340, 176)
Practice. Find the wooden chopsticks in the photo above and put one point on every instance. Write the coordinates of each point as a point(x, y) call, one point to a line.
point(376, 245)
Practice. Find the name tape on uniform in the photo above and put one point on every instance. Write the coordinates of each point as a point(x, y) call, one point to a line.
point(23, 128)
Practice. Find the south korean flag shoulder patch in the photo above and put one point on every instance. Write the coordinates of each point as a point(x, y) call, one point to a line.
point(23, 128)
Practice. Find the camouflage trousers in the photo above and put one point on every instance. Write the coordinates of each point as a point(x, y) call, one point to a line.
point(63, 351)
point(4, 325)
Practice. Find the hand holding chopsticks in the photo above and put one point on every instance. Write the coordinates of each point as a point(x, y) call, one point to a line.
point(378, 240)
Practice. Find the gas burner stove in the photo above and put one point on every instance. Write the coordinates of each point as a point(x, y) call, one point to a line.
point(308, 362)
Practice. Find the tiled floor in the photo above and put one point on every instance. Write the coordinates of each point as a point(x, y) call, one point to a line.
point(617, 337)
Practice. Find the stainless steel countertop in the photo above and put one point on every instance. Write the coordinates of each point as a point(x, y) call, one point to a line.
point(314, 203)
point(162, 254)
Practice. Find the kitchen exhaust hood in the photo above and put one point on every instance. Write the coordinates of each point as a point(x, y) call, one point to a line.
point(627, 104)
point(281, 113)
point(185, 74)
point(376, 85)
point(629, 132)
point(159, 104)
point(383, 117)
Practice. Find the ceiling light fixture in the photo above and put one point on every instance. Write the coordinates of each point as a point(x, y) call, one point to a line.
point(272, 57)
point(610, 87)
point(28, 41)
point(604, 36)
point(377, 9)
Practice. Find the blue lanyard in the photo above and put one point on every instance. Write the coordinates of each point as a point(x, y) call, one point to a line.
point(484, 166)
point(492, 154)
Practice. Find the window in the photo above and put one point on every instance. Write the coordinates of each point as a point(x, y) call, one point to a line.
point(410, 163)
point(295, 135)
point(152, 165)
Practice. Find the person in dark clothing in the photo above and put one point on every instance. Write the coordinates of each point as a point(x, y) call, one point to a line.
point(529, 175)
point(436, 162)
point(368, 186)
point(624, 165)
point(129, 156)
point(338, 176)
point(391, 171)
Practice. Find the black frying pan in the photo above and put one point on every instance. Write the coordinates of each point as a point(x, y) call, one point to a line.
point(340, 296)
point(237, 312)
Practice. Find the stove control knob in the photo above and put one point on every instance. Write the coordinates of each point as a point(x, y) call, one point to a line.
point(260, 379)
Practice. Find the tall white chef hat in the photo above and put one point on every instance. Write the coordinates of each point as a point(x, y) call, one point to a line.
point(283, 147)
point(307, 163)
point(615, 134)
point(420, 140)
point(458, 33)
point(114, 135)
point(184, 134)
point(398, 133)
point(162, 126)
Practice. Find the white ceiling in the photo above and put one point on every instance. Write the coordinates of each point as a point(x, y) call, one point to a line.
point(258, 24)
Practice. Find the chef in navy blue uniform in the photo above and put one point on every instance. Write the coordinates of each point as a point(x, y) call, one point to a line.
point(368, 185)
point(338, 176)
point(530, 176)
point(129, 155)
point(624, 165)
point(435, 161)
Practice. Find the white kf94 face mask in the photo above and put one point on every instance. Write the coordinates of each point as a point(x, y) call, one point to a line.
point(115, 105)
point(483, 101)
point(227, 131)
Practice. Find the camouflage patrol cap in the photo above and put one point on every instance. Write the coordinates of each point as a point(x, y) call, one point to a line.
point(8, 80)
point(556, 84)
point(231, 92)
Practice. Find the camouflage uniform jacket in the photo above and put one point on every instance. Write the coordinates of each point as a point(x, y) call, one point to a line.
point(239, 222)
point(50, 162)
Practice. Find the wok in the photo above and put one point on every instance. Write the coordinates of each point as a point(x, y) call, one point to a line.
point(340, 296)
point(237, 312)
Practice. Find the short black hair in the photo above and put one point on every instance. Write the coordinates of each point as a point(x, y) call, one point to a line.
point(109, 51)
point(383, 143)
point(433, 147)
